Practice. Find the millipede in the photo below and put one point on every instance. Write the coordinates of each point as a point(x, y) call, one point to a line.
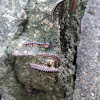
point(42, 68)
point(54, 9)
point(44, 45)
point(74, 6)
point(52, 56)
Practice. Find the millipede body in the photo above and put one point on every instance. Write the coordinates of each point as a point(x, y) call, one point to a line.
point(74, 5)
point(52, 56)
point(42, 68)
point(44, 45)
point(54, 9)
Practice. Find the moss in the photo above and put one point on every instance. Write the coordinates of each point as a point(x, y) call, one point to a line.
point(38, 27)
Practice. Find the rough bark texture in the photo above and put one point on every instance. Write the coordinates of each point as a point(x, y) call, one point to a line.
point(28, 21)
point(87, 85)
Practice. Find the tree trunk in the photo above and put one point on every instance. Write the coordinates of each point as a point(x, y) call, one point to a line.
point(25, 21)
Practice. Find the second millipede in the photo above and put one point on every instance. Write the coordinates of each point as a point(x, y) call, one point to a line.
point(52, 56)
point(40, 44)
point(43, 69)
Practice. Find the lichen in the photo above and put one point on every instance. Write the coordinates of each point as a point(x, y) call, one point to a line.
point(32, 23)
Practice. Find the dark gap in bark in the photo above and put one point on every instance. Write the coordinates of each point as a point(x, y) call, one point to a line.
point(74, 63)
point(0, 96)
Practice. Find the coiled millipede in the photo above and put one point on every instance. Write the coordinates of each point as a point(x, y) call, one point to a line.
point(52, 56)
point(54, 9)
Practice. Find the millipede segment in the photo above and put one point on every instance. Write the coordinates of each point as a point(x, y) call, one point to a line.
point(42, 68)
point(74, 6)
point(52, 56)
point(43, 45)
point(54, 9)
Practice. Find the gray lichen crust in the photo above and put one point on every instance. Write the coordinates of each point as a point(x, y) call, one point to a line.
point(5, 96)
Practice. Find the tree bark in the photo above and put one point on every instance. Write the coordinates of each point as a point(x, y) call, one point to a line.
point(30, 21)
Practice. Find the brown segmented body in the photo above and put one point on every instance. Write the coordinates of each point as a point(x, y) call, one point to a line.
point(52, 56)
point(74, 5)
point(54, 9)
point(44, 45)
point(43, 69)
